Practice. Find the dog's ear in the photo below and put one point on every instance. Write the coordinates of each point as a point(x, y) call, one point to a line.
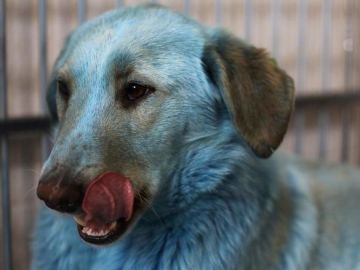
point(258, 95)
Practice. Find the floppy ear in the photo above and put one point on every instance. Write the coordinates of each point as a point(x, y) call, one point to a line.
point(258, 95)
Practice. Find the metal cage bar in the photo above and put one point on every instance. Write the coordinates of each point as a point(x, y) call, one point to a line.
point(42, 9)
point(5, 183)
point(218, 12)
point(187, 7)
point(300, 118)
point(276, 13)
point(3, 78)
point(119, 3)
point(81, 11)
point(248, 16)
point(348, 77)
point(323, 119)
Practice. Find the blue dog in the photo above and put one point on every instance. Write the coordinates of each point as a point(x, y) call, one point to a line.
point(163, 137)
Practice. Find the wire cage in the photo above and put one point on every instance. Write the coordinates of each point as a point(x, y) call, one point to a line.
point(317, 42)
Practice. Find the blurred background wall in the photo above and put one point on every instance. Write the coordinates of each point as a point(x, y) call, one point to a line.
point(317, 42)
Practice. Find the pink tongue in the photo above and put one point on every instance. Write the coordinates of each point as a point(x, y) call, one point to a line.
point(109, 197)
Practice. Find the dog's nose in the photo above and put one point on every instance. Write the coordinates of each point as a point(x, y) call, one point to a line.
point(62, 196)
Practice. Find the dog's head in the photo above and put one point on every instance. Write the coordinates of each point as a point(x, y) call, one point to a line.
point(128, 90)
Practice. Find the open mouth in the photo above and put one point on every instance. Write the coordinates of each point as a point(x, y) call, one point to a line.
point(101, 234)
point(107, 206)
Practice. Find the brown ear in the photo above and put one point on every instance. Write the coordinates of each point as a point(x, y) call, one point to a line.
point(258, 94)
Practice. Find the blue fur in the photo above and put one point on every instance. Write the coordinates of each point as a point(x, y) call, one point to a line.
point(212, 197)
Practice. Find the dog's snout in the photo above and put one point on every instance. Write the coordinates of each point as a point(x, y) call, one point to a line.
point(63, 196)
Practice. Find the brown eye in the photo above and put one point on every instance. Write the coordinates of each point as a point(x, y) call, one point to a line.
point(63, 90)
point(135, 91)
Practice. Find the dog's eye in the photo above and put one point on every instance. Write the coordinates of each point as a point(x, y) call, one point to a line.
point(63, 90)
point(135, 91)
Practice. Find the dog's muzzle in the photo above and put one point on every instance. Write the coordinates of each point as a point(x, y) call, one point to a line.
point(102, 209)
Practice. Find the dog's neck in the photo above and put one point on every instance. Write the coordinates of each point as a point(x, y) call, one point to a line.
point(214, 202)
point(242, 214)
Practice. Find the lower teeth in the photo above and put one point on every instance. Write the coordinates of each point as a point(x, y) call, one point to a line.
point(90, 232)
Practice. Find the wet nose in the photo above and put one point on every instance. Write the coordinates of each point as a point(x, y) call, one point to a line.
point(64, 196)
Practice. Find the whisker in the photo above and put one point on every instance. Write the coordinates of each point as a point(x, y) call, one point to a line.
point(33, 171)
point(157, 214)
point(30, 190)
point(148, 204)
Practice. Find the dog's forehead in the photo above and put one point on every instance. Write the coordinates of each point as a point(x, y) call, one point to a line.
point(157, 37)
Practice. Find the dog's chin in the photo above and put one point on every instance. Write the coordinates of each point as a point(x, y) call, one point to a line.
point(106, 235)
